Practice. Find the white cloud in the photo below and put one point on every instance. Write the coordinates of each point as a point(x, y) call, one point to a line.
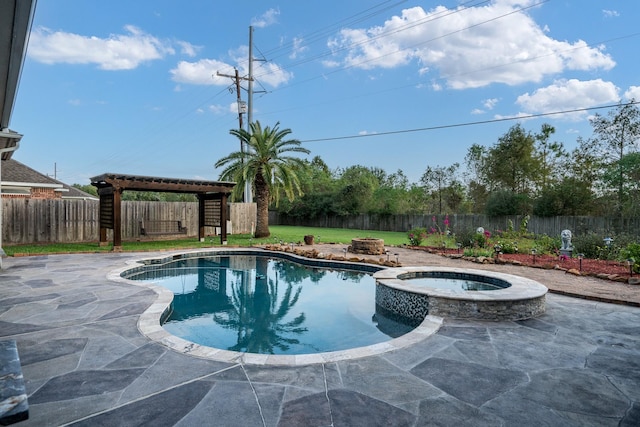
point(270, 17)
point(568, 95)
point(188, 49)
point(74, 102)
point(297, 48)
point(477, 111)
point(202, 72)
point(116, 52)
point(633, 93)
point(610, 13)
point(331, 63)
point(490, 103)
point(217, 109)
point(469, 47)
point(272, 74)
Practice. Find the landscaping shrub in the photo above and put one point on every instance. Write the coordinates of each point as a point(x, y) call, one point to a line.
point(632, 251)
point(508, 247)
point(592, 245)
point(475, 252)
point(417, 235)
point(465, 238)
point(547, 244)
point(589, 244)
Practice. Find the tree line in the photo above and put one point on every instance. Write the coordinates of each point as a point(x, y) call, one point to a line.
point(524, 172)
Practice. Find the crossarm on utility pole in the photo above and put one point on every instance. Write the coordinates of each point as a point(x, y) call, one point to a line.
point(237, 79)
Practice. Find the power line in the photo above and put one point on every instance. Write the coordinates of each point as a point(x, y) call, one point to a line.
point(444, 77)
point(412, 24)
point(318, 34)
point(481, 122)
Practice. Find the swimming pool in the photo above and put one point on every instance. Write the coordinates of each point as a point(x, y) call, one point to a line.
point(266, 304)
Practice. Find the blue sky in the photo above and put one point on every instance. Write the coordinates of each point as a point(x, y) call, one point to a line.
point(131, 86)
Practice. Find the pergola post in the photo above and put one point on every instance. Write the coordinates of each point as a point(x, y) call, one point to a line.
point(223, 219)
point(201, 202)
point(105, 213)
point(117, 219)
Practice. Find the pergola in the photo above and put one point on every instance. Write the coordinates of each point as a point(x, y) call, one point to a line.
point(212, 201)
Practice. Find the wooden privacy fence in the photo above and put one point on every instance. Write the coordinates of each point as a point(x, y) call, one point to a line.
point(27, 221)
point(552, 226)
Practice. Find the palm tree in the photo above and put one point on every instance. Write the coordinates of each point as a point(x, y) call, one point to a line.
point(266, 164)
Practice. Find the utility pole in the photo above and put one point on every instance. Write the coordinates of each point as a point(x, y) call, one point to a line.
point(248, 107)
point(247, 189)
point(250, 91)
point(242, 107)
point(55, 170)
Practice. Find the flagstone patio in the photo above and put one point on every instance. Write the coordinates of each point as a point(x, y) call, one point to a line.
point(85, 362)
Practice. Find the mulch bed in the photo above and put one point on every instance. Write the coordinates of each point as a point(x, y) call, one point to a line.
point(592, 267)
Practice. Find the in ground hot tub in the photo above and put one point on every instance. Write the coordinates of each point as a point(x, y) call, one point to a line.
point(415, 292)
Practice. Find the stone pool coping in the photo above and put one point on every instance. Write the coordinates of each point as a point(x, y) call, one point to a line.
point(149, 323)
point(521, 288)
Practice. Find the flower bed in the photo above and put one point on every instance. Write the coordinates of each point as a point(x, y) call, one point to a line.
point(605, 269)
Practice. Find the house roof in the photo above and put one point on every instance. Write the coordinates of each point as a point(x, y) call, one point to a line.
point(17, 174)
point(16, 17)
point(14, 171)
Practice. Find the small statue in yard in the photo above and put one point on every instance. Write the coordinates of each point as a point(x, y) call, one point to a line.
point(565, 235)
point(480, 230)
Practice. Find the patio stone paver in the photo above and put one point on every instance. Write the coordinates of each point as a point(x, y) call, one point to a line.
point(85, 362)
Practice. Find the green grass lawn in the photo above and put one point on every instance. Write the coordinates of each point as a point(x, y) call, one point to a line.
point(286, 234)
point(279, 233)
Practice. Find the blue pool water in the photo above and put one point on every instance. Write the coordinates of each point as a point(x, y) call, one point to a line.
point(267, 305)
point(456, 285)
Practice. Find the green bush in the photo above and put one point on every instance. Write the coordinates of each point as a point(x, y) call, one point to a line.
point(465, 238)
point(508, 247)
point(417, 235)
point(589, 244)
point(475, 252)
point(592, 245)
point(547, 244)
point(480, 239)
point(632, 251)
